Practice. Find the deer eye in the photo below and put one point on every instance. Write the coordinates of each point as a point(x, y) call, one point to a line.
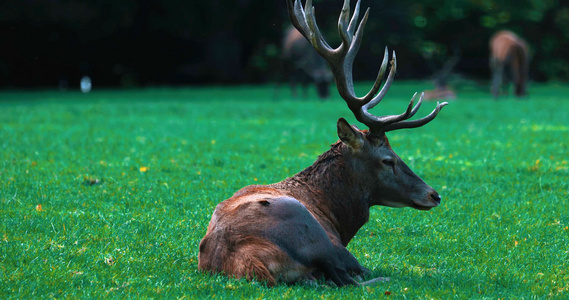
point(390, 162)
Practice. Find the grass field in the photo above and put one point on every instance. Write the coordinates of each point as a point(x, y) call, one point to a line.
point(108, 194)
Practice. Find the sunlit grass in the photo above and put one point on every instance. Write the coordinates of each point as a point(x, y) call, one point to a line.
point(108, 194)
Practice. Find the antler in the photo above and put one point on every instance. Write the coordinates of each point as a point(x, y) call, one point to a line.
point(341, 60)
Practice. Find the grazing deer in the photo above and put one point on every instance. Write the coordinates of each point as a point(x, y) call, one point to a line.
point(304, 65)
point(507, 50)
point(297, 230)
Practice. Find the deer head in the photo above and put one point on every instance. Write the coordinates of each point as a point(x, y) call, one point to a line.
point(382, 176)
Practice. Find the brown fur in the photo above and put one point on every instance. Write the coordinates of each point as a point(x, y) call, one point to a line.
point(334, 194)
point(331, 206)
point(509, 50)
point(233, 244)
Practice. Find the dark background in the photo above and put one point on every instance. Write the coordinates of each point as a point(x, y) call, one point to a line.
point(163, 42)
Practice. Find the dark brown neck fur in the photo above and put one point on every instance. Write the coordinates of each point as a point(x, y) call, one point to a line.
point(330, 191)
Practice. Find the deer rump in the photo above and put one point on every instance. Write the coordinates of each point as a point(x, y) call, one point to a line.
point(261, 233)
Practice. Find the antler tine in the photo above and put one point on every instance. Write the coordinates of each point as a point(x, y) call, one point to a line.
point(387, 84)
point(341, 58)
point(316, 38)
point(351, 55)
point(344, 27)
point(354, 20)
point(303, 19)
point(294, 19)
point(379, 79)
point(415, 123)
point(386, 120)
point(416, 108)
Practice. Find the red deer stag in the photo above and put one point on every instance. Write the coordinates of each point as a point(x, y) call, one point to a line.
point(304, 65)
point(297, 230)
point(507, 50)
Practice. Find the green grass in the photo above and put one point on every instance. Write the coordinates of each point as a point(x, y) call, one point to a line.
point(127, 181)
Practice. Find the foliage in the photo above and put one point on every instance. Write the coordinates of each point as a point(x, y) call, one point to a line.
point(149, 42)
point(108, 194)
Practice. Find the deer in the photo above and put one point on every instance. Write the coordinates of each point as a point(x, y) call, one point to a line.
point(304, 65)
point(508, 51)
point(441, 76)
point(297, 230)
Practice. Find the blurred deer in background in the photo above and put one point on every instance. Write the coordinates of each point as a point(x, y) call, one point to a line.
point(303, 65)
point(508, 51)
point(297, 230)
point(441, 76)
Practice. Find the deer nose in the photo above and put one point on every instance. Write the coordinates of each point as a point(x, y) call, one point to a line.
point(436, 197)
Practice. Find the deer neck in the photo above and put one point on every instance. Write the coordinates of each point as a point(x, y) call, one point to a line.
point(329, 189)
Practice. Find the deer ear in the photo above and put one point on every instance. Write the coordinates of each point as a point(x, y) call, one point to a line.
point(349, 135)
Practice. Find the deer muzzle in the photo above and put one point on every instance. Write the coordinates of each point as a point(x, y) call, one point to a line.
point(433, 199)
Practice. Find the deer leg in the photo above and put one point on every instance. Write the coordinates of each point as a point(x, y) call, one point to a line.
point(518, 76)
point(354, 268)
point(497, 70)
point(292, 82)
point(305, 82)
point(497, 77)
point(294, 230)
point(337, 274)
point(350, 262)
